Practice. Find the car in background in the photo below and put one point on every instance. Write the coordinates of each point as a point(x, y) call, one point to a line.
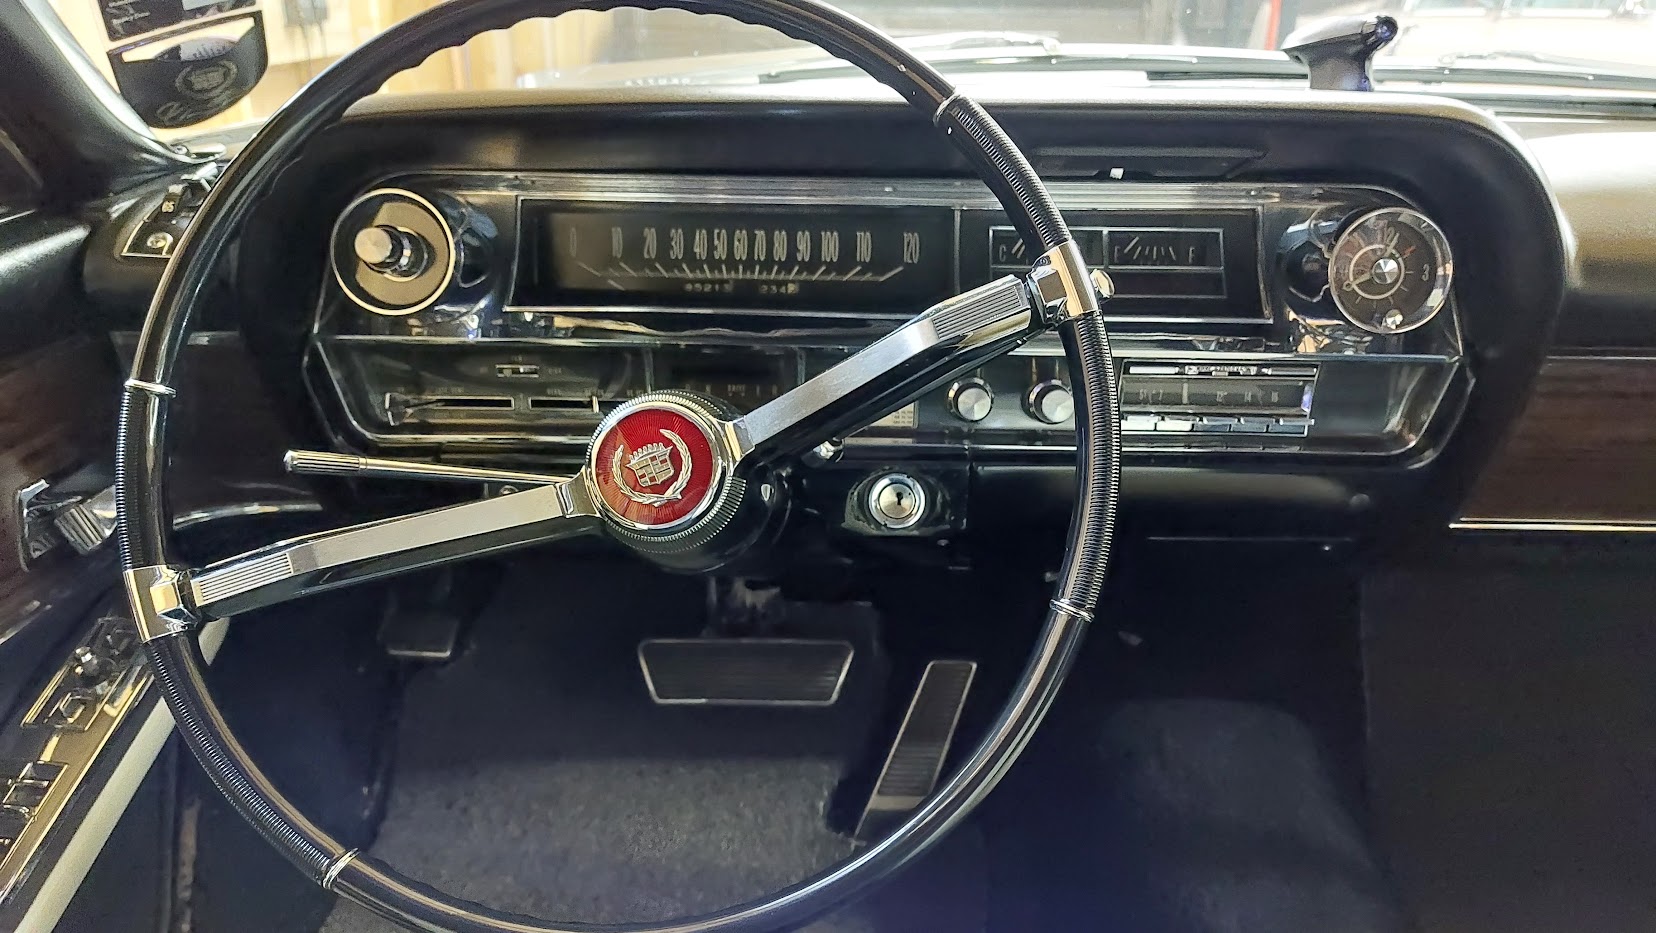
point(1551, 31)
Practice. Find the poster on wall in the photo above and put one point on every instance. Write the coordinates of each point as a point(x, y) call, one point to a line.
point(124, 19)
point(192, 73)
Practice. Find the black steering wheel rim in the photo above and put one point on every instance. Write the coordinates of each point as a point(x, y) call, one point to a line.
point(145, 521)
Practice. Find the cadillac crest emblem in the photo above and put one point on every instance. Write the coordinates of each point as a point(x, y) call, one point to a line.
point(652, 465)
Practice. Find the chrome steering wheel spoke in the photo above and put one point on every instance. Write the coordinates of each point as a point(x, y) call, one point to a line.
point(931, 348)
point(669, 474)
point(331, 559)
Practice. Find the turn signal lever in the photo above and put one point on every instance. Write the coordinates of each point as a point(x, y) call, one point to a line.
point(325, 463)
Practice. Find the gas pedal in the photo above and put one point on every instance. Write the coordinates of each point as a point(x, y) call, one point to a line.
point(917, 756)
point(744, 671)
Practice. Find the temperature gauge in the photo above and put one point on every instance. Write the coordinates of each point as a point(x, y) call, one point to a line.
point(1390, 271)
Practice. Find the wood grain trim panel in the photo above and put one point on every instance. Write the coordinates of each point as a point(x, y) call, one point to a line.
point(1583, 452)
point(57, 412)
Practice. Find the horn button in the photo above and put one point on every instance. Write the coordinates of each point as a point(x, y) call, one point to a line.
point(664, 479)
point(655, 468)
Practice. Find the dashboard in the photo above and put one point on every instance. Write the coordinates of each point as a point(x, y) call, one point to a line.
point(519, 310)
point(1327, 309)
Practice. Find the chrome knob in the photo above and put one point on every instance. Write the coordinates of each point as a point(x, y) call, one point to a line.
point(390, 250)
point(971, 399)
point(896, 500)
point(1050, 402)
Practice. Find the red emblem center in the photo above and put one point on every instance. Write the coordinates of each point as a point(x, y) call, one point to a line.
point(654, 467)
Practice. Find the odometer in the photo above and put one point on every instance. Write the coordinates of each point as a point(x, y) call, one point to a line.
point(839, 258)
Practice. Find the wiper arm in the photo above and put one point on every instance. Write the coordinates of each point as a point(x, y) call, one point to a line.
point(981, 39)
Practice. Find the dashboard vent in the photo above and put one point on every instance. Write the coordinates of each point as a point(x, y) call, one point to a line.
point(1131, 163)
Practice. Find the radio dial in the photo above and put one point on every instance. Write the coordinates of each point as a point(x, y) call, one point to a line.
point(1050, 402)
point(971, 399)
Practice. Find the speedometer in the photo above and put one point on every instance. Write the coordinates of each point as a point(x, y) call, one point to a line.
point(1390, 271)
point(830, 258)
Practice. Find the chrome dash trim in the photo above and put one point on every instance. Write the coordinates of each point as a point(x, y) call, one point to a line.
point(206, 515)
point(1556, 526)
point(960, 194)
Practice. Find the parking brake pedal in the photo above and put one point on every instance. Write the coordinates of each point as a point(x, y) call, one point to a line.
point(744, 671)
point(922, 745)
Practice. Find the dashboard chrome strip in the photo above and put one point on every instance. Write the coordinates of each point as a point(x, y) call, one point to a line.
point(1559, 526)
point(966, 194)
point(613, 310)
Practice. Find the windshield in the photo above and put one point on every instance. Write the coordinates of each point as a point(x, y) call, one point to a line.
point(1548, 38)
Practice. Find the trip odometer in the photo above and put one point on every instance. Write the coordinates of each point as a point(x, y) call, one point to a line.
point(836, 258)
point(1390, 271)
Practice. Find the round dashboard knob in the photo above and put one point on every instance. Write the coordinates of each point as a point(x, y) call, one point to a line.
point(1050, 402)
point(387, 249)
point(971, 399)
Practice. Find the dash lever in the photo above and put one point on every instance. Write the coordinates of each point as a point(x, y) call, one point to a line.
point(326, 463)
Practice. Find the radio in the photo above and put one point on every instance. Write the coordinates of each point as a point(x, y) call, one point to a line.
point(1218, 398)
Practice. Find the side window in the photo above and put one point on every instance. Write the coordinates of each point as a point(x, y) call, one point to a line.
point(21, 189)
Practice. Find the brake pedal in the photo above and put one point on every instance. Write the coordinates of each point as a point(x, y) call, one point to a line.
point(744, 671)
point(922, 745)
point(425, 615)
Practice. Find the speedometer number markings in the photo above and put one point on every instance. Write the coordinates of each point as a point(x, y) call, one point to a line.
point(815, 257)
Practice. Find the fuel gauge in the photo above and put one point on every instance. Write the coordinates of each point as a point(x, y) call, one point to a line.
point(1390, 271)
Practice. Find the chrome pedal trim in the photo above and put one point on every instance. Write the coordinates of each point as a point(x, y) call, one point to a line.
point(744, 671)
point(911, 768)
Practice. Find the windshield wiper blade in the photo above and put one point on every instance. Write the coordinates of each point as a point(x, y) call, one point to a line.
point(1526, 68)
point(960, 52)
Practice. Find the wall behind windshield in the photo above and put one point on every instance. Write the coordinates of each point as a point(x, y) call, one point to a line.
point(305, 36)
point(637, 47)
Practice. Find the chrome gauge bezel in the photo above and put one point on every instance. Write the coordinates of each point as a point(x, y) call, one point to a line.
point(1442, 262)
point(450, 247)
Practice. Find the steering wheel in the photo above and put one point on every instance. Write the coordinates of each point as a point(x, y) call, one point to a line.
point(708, 489)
